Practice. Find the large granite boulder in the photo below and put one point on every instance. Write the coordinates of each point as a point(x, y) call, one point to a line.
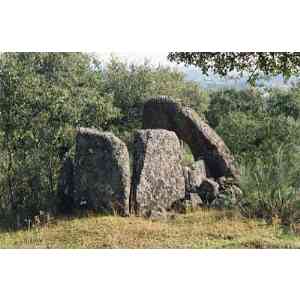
point(102, 174)
point(65, 186)
point(165, 113)
point(158, 180)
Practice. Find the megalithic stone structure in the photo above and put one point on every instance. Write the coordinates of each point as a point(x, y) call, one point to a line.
point(101, 172)
point(158, 179)
point(165, 113)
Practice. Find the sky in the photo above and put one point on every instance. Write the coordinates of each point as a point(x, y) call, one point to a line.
point(192, 73)
point(139, 57)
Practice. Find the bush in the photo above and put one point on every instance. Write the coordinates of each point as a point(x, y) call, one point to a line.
point(271, 187)
point(45, 96)
point(224, 102)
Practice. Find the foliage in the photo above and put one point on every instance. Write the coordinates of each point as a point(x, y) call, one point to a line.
point(262, 130)
point(252, 63)
point(284, 102)
point(250, 136)
point(254, 124)
point(223, 102)
point(132, 84)
point(45, 96)
point(271, 187)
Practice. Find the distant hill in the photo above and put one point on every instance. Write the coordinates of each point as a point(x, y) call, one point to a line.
point(216, 82)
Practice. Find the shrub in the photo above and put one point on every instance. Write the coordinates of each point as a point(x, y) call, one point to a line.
point(271, 187)
point(45, 96)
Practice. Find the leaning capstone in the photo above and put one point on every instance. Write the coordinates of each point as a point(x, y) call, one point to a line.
point(102, 175)
point(158, 179)
point(165, 113)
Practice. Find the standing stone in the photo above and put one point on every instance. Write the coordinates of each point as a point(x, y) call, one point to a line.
point(165, 113)
point(102, 175)
point(158, 179)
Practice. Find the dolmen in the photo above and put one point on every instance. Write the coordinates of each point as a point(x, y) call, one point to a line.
point(99, 178)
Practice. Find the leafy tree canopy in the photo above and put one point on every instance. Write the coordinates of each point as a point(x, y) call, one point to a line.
point(252, 64)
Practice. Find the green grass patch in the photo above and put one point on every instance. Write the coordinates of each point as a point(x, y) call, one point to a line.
point(198, 230)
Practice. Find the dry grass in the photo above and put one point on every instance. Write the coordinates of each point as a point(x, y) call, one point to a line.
point(201, 229)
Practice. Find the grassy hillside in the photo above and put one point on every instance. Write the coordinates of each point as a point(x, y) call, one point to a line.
point(201, 229)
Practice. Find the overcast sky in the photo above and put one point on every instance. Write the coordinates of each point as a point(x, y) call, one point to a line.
point(139, 57)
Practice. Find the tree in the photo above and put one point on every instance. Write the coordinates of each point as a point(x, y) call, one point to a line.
point(251, 136)
point(131, 84)
point(255, 124)
point(223, 102)
point(252, 64)
point(43, 97)
point(284, 102)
